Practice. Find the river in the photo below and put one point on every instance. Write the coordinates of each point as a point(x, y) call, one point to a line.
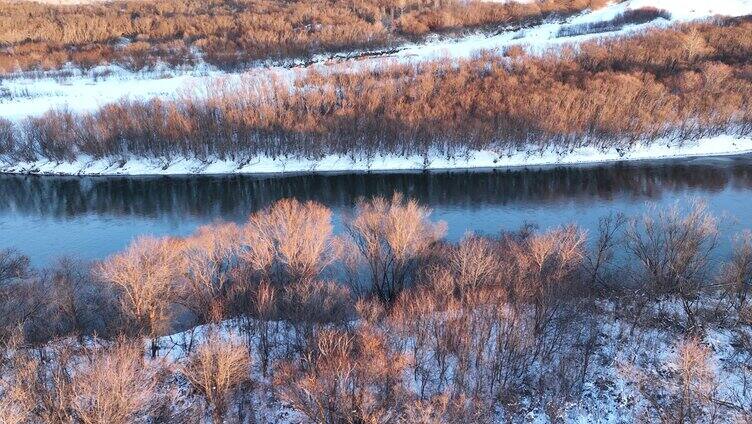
point(91, 217)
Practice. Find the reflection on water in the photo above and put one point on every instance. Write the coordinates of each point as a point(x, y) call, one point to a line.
point(93, 216)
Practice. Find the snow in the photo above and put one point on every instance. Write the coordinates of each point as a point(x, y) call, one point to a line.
point(685, 10)
point(625, 354)
point(486, 159)
point(26, 94)
point(29, 95)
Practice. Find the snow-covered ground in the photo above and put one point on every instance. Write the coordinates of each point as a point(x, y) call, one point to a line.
point(26, 95)
point(714, 146)
point(29, 95)
point(631, 360)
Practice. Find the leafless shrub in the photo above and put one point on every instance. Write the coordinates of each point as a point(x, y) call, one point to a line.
point(118, 386)
point(392, 236)
point(347, 377)
point(691, 78)
point(42, 382)
point(474, 265)
point(13, 265)
point(230, 34)
point(674, 253)
point(78, 305)
point(16, 403)
point(630, 17)
point(316, 302)
point(65, 383)
point(8, 142)
point(265, 313)
point(698, 380)
point(23, 297)
point(310, 305)
point(542, 270)
point(690, 396)
point(443, 409)
point(216, 371)
point(736, 276)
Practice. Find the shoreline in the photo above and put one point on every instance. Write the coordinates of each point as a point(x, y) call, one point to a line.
point(478, 161)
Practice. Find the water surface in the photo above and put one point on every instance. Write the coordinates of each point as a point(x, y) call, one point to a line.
point(91, 217)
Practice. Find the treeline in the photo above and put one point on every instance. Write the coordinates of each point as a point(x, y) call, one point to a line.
point(630, 17)
point(138, 34)
point(386, 323)
point(677, 84)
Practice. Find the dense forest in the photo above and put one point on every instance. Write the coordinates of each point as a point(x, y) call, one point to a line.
point(385, 322)
point(675, 84)
point(228, 33)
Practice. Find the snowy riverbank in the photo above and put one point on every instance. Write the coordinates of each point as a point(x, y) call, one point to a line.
point(714, 146)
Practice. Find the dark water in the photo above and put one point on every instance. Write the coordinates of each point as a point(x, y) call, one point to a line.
point(46, 217)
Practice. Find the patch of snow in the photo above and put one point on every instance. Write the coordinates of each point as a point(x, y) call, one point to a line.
point(686, 10)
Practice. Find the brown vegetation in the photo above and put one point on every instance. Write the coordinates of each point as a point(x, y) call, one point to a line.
point(346, 377)
point(680, 83)
point(138, 34)
point(459, 332)
point(290, 241)
point(215, 371)
point(118, 387)
point(144, 278)
point(66, 383)
point(392, 236)
point(673, 253)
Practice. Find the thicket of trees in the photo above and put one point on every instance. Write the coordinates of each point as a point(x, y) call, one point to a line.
point(137, 34)
point(679, 83)
point(385, 323)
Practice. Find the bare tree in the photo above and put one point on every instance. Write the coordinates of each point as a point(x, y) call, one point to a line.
point(475, 265)
point(290, 241)
point(392, 236)
point(144, 276)
point(598, 261)
point(216, 371)
point(12, 265)
point(79, 306)
point(266, 328)
point(310, 305)
point(210, 256)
